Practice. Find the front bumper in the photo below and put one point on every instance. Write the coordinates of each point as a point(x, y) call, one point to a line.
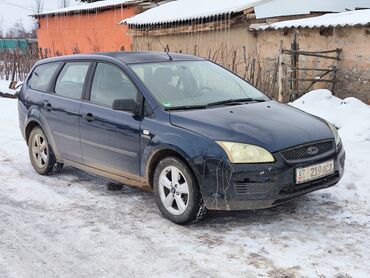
point(229, 186)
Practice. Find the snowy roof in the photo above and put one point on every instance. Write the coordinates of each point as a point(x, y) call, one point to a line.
point(195, 9)
point(189, 9)
point(352, 18)
point(274, 8)
point(88, 6)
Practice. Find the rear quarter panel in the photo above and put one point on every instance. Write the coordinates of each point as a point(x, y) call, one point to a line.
point(29, 110)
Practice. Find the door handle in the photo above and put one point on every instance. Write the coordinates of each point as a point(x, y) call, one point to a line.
point(89, 117)
point(47, 106)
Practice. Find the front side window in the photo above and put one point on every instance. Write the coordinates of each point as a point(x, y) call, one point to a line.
point(193, 83)
point(41, 76)
point(111, 83)
point(71, 80)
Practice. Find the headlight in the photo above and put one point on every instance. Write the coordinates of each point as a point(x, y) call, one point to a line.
point(335, 133)
point(245, 153)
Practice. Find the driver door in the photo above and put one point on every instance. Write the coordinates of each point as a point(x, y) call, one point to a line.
point(110, 139)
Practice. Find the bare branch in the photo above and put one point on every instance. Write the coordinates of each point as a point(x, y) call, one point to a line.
point(63, 3)
point(38, 6)
point(1, 26)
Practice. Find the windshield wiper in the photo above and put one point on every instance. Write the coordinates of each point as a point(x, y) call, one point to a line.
point(234, 101)
point(186, 107)
point(202, 106)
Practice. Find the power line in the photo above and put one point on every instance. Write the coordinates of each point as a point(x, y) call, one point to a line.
point(27, 8)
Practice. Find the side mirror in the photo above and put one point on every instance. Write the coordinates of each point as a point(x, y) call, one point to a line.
point(128, 105)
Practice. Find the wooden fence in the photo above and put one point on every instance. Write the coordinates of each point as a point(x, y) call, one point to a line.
point(296, 80)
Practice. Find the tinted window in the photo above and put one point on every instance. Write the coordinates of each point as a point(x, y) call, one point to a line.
point(71, 80)
point(109, 84)
point(41, 76)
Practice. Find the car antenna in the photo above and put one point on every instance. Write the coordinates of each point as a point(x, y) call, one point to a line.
point(165, 49)
point(168, 54)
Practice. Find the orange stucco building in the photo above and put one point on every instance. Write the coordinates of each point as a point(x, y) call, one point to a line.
point(84, 29)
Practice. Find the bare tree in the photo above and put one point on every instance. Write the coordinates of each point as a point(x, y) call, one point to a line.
point(38, 6)
point(1, 27)
point(63, 3)
point(17, 31)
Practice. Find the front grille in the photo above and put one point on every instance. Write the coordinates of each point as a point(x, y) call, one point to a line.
point(310, 150)
point(251, 188)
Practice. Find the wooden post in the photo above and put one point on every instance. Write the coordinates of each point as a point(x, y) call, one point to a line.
point(253, 67)
point(14, 67)
point(294, 64)
point(274, 77)
point(280, 73)
point(234, 60)
point(335, 70)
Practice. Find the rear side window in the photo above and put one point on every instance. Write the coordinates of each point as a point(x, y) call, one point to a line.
point(71, 80)
point(111, 83)
point(41, 76)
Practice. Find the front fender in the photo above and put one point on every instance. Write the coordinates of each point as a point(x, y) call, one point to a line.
point(203, 155)
point(164, 142)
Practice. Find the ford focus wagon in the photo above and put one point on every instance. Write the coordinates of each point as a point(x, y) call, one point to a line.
point(193, 132)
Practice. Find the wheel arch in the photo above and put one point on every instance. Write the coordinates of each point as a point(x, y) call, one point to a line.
point(162, 153)
point(29, 127)
point(33, 122)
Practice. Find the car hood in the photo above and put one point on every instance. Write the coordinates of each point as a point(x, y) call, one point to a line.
point(271, 125)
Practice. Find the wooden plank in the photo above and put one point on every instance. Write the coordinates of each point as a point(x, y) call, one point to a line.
point(294, 61)
point(274, 76)
point(280, 71)
point(233, 66)
point(339, 51)
point(309, 79)
point(314, 69)
point(304, 53)
point(320, 78)
point(318, 52)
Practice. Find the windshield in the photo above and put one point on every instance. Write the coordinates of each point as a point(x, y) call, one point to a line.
point(194, 84)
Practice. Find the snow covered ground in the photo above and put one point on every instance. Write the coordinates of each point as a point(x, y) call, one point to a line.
point(70, 225)
point(4, 88)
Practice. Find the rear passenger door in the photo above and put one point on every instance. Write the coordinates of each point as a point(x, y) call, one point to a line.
point(109, 138)
point(61, 109)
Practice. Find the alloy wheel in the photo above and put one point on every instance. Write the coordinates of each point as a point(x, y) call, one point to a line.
point(39, 150)
point(173, 190)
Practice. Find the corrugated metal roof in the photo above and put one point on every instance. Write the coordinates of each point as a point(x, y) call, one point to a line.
point(303, 7)
point(181, 10)
point(189, 9)
point(90, 6)
point(351, 18)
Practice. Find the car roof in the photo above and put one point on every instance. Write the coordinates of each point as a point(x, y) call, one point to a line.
point(150, 56)
point(131, 57)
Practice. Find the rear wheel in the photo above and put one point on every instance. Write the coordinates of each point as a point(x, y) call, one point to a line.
point(41, 153)
point(177, 193)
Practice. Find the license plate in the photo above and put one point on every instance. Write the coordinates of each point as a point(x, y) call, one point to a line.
point(314, 172)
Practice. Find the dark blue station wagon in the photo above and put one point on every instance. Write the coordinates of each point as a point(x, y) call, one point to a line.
point(193, 132)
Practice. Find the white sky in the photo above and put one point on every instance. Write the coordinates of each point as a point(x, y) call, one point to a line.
point(13, 10)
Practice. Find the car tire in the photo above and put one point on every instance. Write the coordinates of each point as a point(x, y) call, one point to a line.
point(177, 192)
point(41, 154)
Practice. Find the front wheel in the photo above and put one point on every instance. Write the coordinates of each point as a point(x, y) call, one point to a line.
point(177, 193)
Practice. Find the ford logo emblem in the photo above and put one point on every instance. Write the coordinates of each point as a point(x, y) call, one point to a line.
point(312, 150)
